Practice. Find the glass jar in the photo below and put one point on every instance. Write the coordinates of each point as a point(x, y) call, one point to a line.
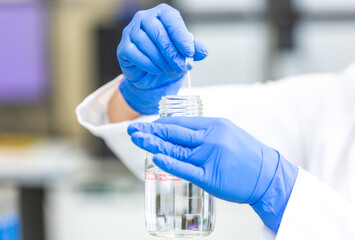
point(175, 208)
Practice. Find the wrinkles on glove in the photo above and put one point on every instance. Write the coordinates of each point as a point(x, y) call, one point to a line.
point(272, 204)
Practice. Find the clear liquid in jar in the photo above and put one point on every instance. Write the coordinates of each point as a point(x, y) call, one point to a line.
point(175, 208)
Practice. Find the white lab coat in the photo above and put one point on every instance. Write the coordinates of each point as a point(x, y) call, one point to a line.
point(309, 119)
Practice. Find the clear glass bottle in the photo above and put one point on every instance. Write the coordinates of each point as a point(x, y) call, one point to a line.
point(175, 208)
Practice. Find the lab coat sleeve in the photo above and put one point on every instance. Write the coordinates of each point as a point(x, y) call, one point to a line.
point(283, 114)
point(315, 211)
point(92, 114)
point(267, 111)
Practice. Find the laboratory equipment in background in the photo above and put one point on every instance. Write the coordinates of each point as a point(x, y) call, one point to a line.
point(261, 40)
point(23, 46)
point(24, 67)
point(9, 216)
point(176, 208)
point(24, 106)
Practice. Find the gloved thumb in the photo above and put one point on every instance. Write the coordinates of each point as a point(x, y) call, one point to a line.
point(201, 51)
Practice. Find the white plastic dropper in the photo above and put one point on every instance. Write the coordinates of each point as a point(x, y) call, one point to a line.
point(189, 81)
point(189, 61)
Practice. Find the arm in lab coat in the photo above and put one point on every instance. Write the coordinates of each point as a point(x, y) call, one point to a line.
point(92, 113)
point(272, 112)
point(289, 115)
point(315, 211)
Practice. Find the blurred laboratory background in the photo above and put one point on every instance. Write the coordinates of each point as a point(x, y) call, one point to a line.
point(58, 182)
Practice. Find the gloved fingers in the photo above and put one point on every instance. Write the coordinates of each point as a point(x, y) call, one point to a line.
point(131, 72)
point(170, 133)
point(146, 46)
point(180, 169)
point(127, 52)
point(158, 85)
point(175, 25)
point(155, 144)
point(158, 34)
point(194, 123)
point(201, 51)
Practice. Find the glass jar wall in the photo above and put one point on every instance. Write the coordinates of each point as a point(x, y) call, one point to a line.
point(176, 208)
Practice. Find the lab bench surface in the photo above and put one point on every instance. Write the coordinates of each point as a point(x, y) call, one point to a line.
point(120, 215)
point(63, 196)
point(32, 168)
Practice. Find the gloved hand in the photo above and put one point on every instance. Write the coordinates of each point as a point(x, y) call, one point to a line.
point(222, 159)
point(152, 55)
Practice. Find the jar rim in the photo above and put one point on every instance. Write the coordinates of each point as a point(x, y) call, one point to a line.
point(173, 97)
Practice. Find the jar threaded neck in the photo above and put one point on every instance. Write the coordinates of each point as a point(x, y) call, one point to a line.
point(173, 106)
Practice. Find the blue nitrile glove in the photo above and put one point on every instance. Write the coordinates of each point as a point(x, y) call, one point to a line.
point(152, 55)
point(222, 159)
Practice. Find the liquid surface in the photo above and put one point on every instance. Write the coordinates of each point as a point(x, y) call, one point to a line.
point(175, 207)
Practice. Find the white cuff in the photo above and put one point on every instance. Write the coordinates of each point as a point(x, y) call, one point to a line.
point(315, 211)
point(92, 112)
